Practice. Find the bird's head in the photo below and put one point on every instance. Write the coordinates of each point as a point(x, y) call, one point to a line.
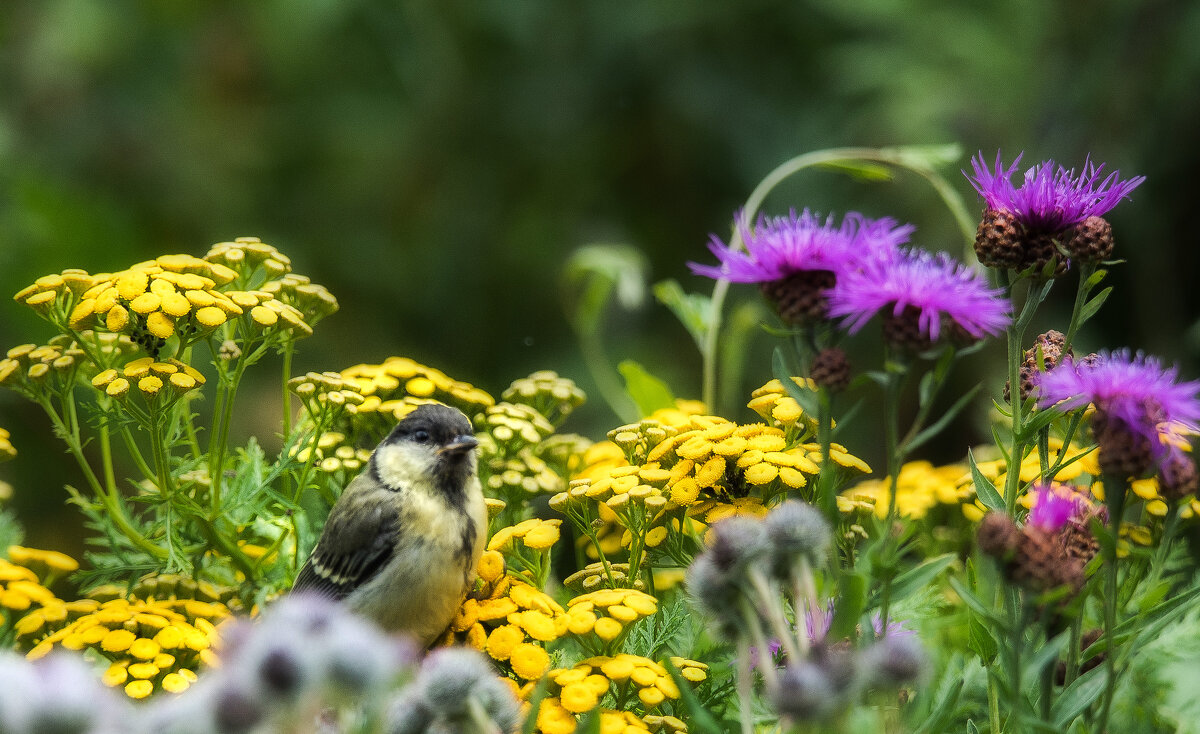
point(431, 449)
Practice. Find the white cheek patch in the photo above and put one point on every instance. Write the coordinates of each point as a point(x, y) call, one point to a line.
point(404, 466)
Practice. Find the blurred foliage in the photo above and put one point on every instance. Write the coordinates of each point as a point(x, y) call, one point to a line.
point(436, 163)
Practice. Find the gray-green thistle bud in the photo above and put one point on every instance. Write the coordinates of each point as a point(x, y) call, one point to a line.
point(737, 542)
point(714, 590)
point(894, 661)
point(796, 529)
point(453, 681)
point(804, 692)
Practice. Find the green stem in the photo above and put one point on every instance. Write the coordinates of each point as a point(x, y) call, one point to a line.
point(1115, 489)
point(288, 351)
point(783, 171)
point(1081, 292)
point(891, 439)
point(994, 704)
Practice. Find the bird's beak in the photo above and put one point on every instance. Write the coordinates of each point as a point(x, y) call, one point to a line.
point(460, 445)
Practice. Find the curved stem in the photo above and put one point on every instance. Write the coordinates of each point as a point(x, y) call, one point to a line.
point(781, 172)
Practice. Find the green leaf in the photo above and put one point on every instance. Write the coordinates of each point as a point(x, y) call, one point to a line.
point(973, 602)
point(926, 156)
point(694, 310)
point(1093, 305)
point(595, 272)
point(648, 392)
point(980, 640)
point(852, 601)
point(1079, 695)
point(802, 395)
point(1047, 654)
point(861, 170)
point(940, 424)
point(971, 728)
point(918, 577)
point(984, 489)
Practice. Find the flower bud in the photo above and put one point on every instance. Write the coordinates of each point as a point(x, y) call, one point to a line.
point(797, 529)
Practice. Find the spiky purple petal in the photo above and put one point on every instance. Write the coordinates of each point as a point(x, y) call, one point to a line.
point(1051, 198)
point(936, 285)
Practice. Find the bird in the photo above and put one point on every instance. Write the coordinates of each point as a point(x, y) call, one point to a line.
point(401, 544)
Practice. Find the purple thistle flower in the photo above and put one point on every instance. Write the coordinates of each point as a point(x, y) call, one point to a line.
point(1052, 508)
point(934, 286)
point(781, 246)
point(1135, 389)
point(1051, 198)
point(1135, 397)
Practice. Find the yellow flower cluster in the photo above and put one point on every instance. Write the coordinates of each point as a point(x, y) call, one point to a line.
point(780, 410)
point(599, 574)
point(552, 718)
point(523, 473)
point(22, 591)
point(535, 534)
point(150, 644)
point(399, 378)
point(919, 489)
point(509, 620)
point(580, 689)
point(546, 392)
point(7, 450)
point(246, 254)
point(513, 425)
point(332, 453)
point(150, 377)
point(28, 365)
point(608, 613)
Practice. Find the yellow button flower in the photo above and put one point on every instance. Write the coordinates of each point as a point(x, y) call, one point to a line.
point(529, 661)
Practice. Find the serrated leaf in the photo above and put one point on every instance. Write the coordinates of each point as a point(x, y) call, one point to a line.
point(694, 310)
point(984, 489)
point(648, 392)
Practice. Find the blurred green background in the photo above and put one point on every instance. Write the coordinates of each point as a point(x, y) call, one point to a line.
point(435, 164)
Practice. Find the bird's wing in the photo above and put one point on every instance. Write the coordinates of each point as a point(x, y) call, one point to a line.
point(356, 543)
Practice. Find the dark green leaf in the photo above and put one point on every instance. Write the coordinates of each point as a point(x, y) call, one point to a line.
point(975, 603)
point(852, 601)
point(918, 577)
point(1046, 655)
point(984, 489)
point(1079, 695)
point(980, 640)
point(648, 392)
point(1093, 305)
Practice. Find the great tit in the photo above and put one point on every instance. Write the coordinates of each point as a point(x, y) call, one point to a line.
point(401, 544)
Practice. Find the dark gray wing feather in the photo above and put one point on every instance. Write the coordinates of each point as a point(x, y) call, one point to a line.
point(357, 542)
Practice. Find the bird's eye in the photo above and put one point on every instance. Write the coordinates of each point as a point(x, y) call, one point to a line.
point(421, 436)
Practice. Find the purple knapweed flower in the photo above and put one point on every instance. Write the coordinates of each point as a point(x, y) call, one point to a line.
point(1051, 198)
point(1052, 508)
point(920, 294)
point(1053, 215)
point(796, 259)
point(818, 621)
point(1136, 401)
